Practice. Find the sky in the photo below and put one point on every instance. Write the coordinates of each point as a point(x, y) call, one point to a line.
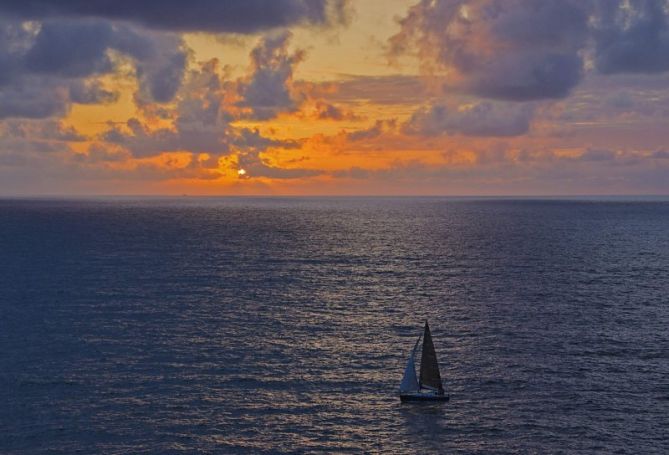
point(334, 97)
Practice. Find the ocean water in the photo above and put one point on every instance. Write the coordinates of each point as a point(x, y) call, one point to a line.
point(282, 325)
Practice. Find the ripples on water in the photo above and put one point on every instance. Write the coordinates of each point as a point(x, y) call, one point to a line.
point(283, 325)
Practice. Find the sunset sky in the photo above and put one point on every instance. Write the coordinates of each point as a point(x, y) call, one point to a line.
point(313, 97)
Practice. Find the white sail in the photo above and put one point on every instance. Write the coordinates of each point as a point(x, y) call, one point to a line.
point(410, 381)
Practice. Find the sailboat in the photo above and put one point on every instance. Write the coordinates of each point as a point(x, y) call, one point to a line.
point(428, 386)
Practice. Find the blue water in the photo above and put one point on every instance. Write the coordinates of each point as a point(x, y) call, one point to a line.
point(282, 325)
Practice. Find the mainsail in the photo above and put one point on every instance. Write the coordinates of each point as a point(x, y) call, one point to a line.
point(429, 368)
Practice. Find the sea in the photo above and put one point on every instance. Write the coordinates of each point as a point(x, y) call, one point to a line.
point(283, 325)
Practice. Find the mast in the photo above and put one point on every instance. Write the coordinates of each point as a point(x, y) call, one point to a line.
point(429, 367)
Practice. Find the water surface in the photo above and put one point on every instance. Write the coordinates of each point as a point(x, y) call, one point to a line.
point(282, 325)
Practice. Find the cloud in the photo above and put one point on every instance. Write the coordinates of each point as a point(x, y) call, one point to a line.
point(251, 144)
point(246, 138)
point(522, 50)
point(160, 62)
point(326, 111)
point(527, 76)
point(143, 142)
point(50, 51)
point(39, 129)
point(71, 49)
point(16, 39)
point(80, 48)
point(34, 140)
point(486, 65)
point(33, 97)
point(237, 16)
point(512, 50)
point(267, 90)
point(481, 119)
point(102, 153)
point(633, 38)
point(500, 170)
point(48, 66)
point(199, 125)
point(202, 119)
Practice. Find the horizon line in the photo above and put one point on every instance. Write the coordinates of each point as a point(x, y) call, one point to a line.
point(315, 196)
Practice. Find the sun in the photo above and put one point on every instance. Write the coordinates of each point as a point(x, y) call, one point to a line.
point(241, 172)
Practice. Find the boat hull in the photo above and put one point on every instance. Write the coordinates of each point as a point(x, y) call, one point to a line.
point(406, 397)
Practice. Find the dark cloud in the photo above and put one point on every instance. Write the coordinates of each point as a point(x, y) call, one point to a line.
point(526, 49)
point(268, 89)
point(80, 48)
point(31, 147)
point(238, 16)
point(552, 23)
point(482, 119)
point(511, 50)
point(33, 97)
point(34, 138)
point(160, 62)
point(43, 130)
point(72, 49)
point(162, 77)
point(15, 40)
point(101, 153)
point(528, 76)
point(632, 37)
point(46, 67)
